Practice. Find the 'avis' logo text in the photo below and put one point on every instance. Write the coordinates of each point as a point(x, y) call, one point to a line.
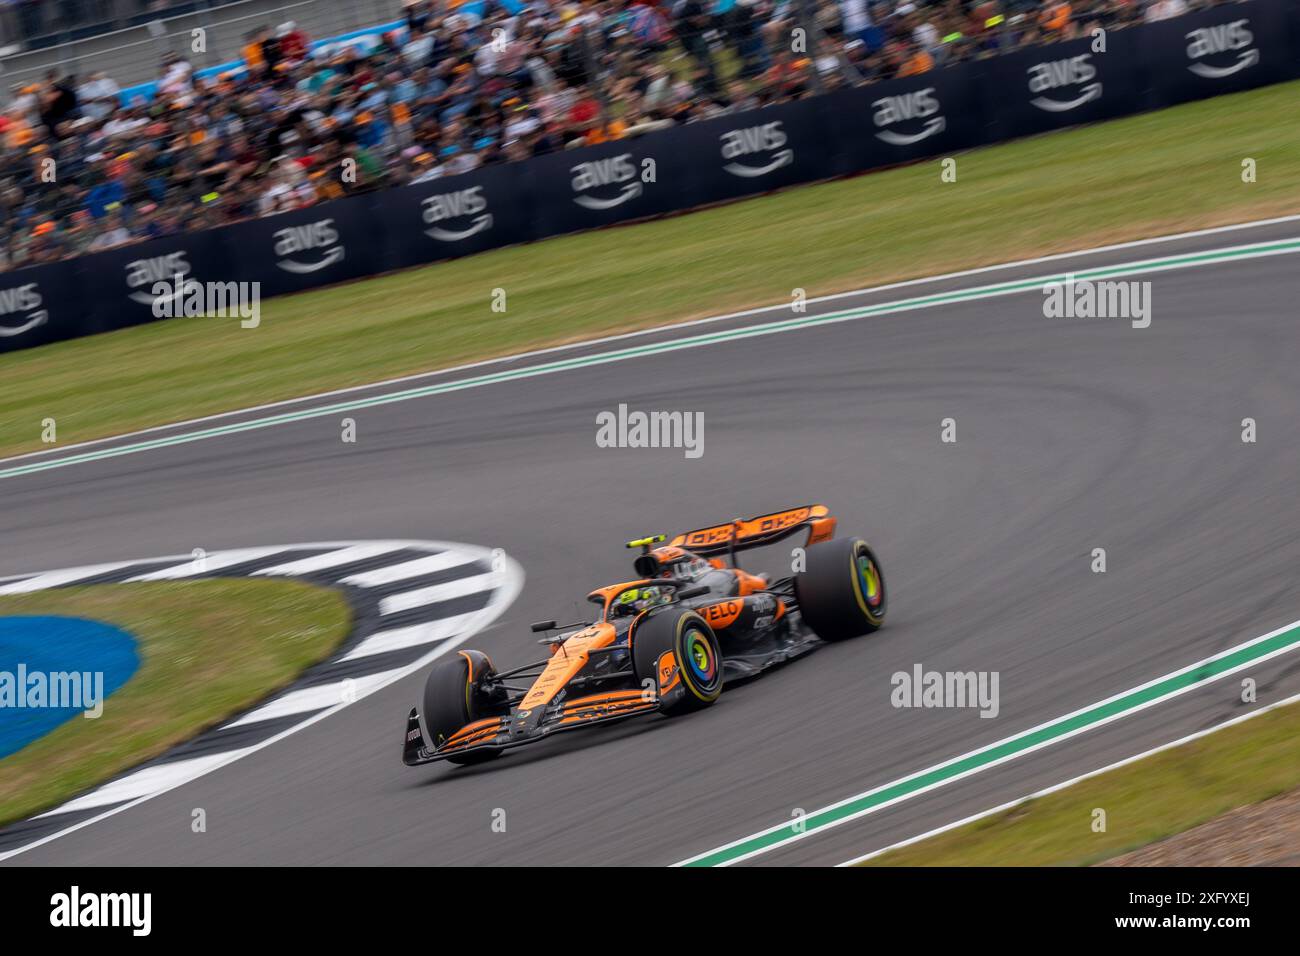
point(600, 174)
point(751, 141)
point(905, 108)
point(310, 237)
point(461, 204)
point(1217, 40)
point(1057, 74)
point(24, 301)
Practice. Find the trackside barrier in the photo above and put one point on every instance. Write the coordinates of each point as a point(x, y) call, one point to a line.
point(1206, 53)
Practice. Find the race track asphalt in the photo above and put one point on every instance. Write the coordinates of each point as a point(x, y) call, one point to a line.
point(1071, 435)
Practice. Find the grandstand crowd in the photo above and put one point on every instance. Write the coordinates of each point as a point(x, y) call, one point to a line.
point(84, 167)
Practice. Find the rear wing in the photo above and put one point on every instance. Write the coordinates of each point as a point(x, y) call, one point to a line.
point(765, 529)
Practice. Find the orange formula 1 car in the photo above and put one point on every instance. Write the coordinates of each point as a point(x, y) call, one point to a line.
point(665, 642)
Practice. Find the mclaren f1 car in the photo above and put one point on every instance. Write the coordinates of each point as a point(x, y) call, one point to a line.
point(665, 642)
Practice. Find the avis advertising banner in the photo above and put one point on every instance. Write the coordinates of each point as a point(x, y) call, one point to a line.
point(307, 248)
point(453, 216)
point(1224, 49)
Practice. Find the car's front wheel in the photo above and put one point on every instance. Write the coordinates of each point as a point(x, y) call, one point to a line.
point(676, 653)
point(456, 694)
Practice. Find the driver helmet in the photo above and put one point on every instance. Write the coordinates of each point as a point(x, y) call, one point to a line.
point(636, 600)
point(686, 567)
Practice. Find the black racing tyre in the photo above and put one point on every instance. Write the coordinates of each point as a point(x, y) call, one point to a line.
point(841, 592)
point(454, 696)
point(698, 679)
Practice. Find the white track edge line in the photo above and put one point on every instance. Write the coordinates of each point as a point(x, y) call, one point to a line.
point(1178, 692)
point(504, 596)
point(673, 326)
point(180, 558)
point(1056, 787)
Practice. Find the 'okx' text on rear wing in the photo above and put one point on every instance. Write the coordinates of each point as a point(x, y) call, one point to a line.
point(765, 529)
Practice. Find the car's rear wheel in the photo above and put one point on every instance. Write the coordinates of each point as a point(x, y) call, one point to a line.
point(455, 694)
point(675, 652)
point(841, 592)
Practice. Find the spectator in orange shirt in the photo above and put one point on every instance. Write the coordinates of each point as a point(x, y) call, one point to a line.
point(1056, 17)
point(917, 61)
point(599, 131)
point(253, 53)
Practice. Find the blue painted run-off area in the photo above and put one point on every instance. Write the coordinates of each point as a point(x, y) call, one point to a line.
point(35, 648)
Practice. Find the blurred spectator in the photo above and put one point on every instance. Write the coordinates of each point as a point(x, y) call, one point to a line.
point(98, 97)
point(459, 87)
point(1165, 9)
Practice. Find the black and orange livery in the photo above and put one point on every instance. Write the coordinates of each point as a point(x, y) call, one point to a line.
point(664, 642)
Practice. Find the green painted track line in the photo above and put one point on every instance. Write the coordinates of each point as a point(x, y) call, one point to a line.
point(1129, 702)
point(1186, 261)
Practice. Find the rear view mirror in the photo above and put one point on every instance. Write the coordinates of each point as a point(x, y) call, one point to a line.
point(542, 626)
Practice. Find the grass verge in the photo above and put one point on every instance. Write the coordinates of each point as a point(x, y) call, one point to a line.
point(1144, 802)
point(1160, 172)
point(208, 649)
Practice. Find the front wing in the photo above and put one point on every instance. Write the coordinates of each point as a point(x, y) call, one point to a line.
point(524, 726)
